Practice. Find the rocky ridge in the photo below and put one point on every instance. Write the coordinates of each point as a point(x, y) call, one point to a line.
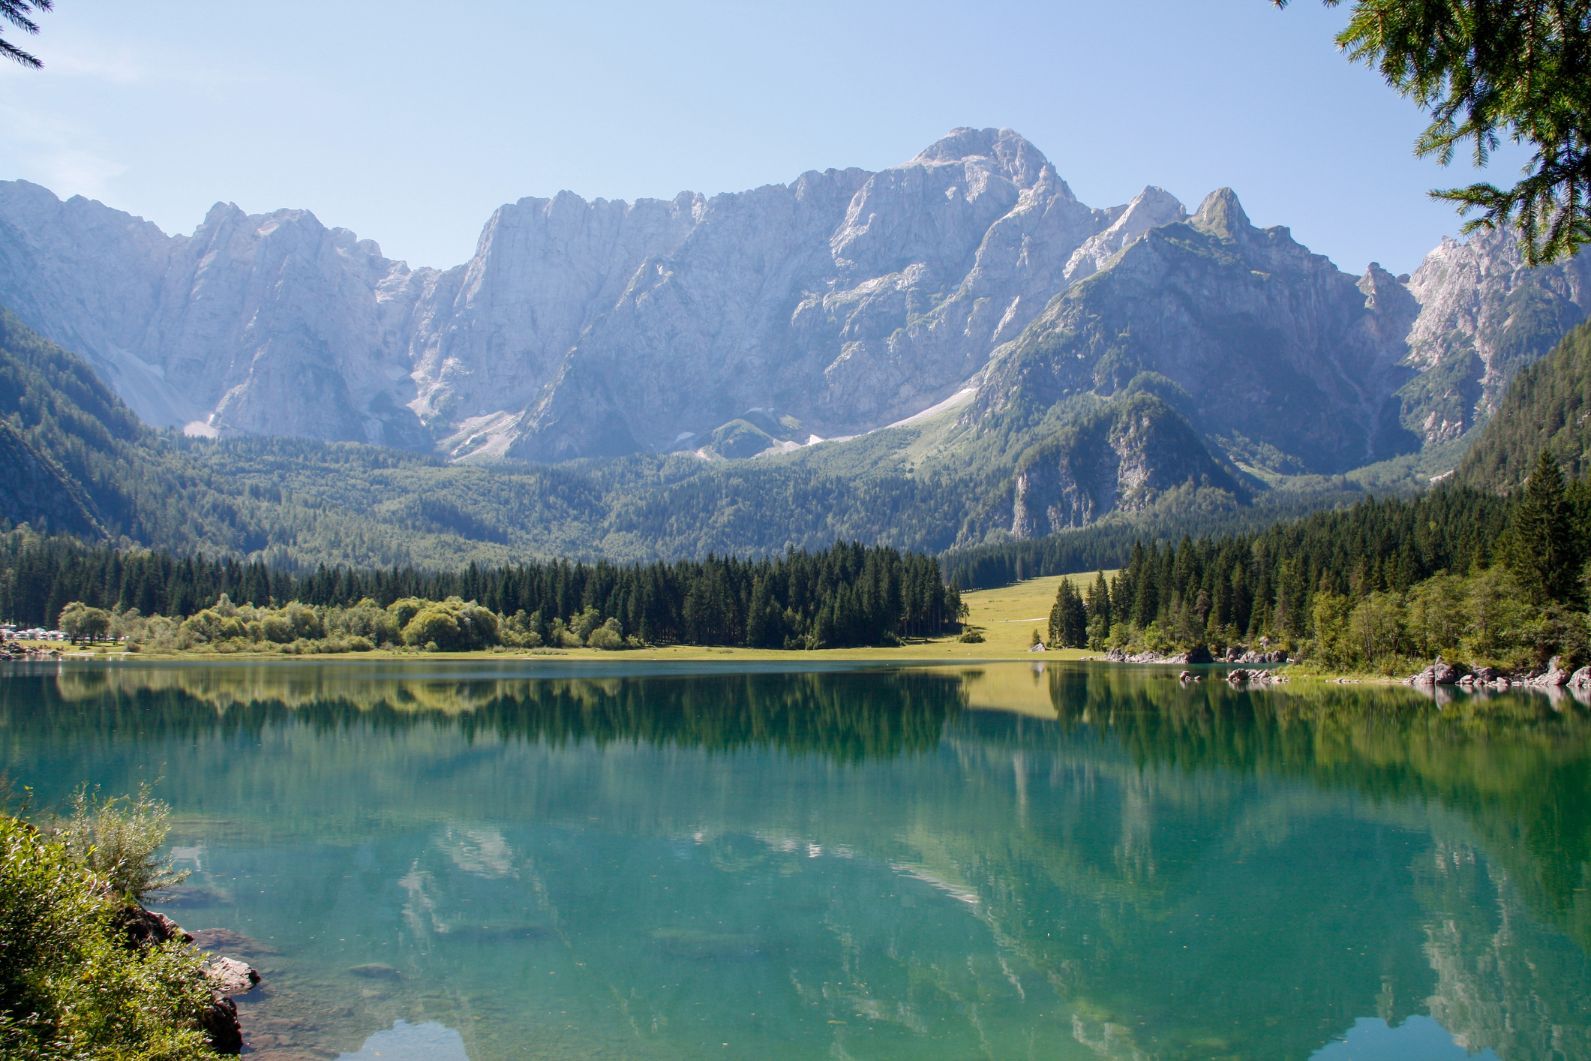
point(1482, 314)
point(1254, 338)
point(830, 306)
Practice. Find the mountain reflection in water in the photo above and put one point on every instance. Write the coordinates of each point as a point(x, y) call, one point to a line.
point(856, 861)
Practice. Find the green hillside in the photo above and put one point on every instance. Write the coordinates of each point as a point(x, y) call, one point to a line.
point(1548, 407)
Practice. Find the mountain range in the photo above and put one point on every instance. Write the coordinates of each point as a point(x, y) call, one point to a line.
point(960, 320)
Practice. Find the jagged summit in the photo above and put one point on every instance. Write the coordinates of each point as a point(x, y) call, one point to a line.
point(841, 302)
point(1222, 214)
point(1013, 155)
point(221, 213)
point(1149, 209)
point(1157, 201)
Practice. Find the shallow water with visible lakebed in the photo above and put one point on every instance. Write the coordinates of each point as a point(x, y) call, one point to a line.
point(504, 859)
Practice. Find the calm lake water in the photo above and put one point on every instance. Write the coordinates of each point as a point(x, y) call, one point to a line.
point(517, 860)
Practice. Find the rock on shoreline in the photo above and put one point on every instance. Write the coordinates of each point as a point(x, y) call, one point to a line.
point(1235, 654)
point(226, 977)
point(1443, 673)
point(1198, 655)
point(1239, 676)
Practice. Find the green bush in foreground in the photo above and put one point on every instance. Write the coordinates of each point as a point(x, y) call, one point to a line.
point(71, 986)
point(119, 840)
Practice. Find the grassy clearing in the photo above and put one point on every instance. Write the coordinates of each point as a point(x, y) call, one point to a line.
point(1008, 616)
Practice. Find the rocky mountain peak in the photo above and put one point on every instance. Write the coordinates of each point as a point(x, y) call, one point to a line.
point(221, 215)
point(1010, 153)
point(1483, 314)
point(1391, 310)
point(1222, 215)
point(1376, 282)
point(24, 200)
point(836, 304)
point(1154, 205)
point(1149, 209)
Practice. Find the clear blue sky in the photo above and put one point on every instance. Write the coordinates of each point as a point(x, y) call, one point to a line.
point(409, 123)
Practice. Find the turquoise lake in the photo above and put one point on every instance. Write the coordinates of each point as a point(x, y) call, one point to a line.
point(521, 859)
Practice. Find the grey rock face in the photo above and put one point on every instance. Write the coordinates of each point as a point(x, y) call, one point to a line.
point(1483, 315)
point(1261, 338)
point(1151, 208)
point(838, 303)
point(846, 300)
point(269, 324)
point(487, 336)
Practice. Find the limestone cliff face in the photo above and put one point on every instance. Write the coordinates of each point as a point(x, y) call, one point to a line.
point(1271, 344)
point(1483, 315)
point(266, 325)
point(844, 301)
point(486, 337)
point(840, 302)
point(830, 306)
point(275, 325)
point(95, 275)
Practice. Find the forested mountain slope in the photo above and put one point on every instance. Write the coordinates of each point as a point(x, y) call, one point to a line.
point(293, 501)
point(1548, 407)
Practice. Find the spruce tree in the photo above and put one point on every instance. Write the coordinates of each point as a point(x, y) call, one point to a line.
point(1539, 543)
point(1098, 609)
point(1068, 618)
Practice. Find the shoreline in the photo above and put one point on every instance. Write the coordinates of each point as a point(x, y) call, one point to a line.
point(935, 652)
point(949, 651)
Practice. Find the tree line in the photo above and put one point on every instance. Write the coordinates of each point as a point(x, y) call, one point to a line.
point(1458, 572)
point(847, 595)
point(1183, 511)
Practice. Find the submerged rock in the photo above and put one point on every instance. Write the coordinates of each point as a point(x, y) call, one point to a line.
point(494, 933)
point(228, 976)
point(225, 940)
point(706, 946)
point(375, 971)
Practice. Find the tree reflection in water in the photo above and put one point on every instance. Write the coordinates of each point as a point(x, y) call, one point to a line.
point(857, 860)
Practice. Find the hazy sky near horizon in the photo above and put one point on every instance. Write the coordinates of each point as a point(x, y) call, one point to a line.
point(409, 123)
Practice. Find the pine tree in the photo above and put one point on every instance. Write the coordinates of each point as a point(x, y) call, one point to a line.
point(1068, 618)
point(1539, 544)
point(1098, 607)
point(1055, 611)
point(17, 13)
